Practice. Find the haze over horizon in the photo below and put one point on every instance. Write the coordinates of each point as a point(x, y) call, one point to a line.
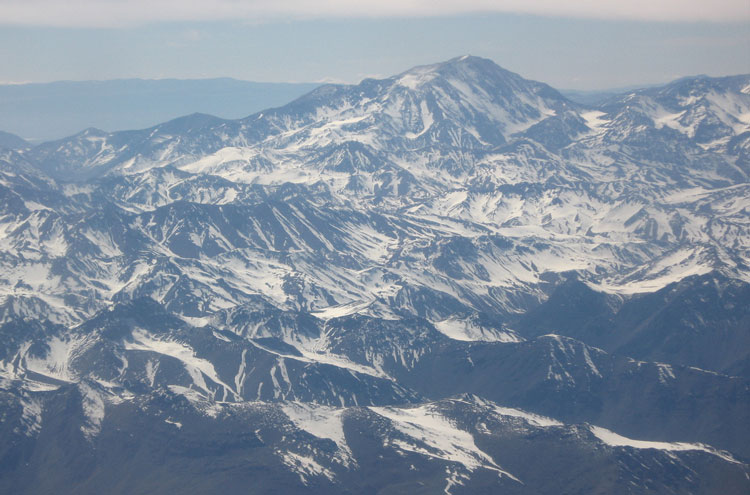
point(570, 46)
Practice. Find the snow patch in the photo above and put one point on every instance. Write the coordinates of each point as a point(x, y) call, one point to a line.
point(531, 418)
point(467, 330)
point(322, 422)
point(304, 466)
point(433, 435)
point(93, 409)
point(614, 440)
point(198, 368)
point(594, 120)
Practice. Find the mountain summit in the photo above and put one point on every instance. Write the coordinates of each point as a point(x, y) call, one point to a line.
point(465, 103)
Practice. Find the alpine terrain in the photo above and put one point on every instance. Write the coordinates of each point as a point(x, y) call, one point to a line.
point(454, 280)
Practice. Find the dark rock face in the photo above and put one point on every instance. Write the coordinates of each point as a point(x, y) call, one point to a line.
point(701, 321)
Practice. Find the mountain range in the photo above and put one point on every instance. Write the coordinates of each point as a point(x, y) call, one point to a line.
point(44, 111)
point(453, 280)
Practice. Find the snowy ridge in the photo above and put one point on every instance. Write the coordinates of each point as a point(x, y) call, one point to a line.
point(433, 435)
point(613, 439)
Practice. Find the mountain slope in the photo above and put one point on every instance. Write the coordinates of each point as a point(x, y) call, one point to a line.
point(12, 142)
point(459, 445)
point(700, 321)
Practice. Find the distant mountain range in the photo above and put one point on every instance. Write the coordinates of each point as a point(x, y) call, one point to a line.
point(48, 111)
point(453, 280)
point(45, 111)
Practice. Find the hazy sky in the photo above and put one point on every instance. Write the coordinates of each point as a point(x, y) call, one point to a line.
point(585, 44)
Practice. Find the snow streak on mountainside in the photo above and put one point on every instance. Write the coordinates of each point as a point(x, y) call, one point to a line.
point(345, 269)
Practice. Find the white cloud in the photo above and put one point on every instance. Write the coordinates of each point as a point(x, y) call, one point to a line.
point(114, 13)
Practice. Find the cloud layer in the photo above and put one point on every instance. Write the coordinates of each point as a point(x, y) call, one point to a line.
point(116, 13)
